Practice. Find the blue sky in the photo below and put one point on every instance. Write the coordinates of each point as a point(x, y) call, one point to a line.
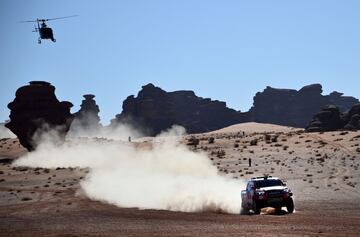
point(226, 50)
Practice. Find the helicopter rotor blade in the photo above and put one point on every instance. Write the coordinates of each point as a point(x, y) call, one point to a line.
point(26, 21)
point(57, 18)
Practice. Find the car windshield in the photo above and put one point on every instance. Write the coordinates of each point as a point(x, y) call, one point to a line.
point(268, 183)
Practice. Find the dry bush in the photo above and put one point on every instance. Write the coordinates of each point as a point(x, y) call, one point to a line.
point(220, 153)
point(193, 141)
point(254, 142)
point(267, 137)
point(274, 139)
point(26, 199)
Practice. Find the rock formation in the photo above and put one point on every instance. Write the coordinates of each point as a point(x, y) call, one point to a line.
point(36, 110)
point(295, 108)
point(155, 110)
point(330, 119)
point(352, 118)
point(87, 118)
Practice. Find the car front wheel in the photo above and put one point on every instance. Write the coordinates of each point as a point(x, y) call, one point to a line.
point(290, 205)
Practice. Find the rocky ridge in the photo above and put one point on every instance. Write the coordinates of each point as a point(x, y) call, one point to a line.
point(156, 109)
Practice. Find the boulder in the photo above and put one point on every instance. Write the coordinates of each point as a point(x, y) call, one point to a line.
point(36, 111)
point(351, 118)
point(331, 119)
point(328, 119)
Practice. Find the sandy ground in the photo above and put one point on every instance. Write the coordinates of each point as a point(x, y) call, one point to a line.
point(321, 169)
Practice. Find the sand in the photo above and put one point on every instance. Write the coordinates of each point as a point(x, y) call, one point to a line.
point(322, 169)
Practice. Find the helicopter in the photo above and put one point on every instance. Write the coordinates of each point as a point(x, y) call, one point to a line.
point(45, 32)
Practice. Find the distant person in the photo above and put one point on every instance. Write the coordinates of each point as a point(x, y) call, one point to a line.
point(249, 162)
point(129, 139)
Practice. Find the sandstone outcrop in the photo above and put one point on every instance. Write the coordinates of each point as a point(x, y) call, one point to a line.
point(330, 119)
point(295, 108)
point(352, 118)
point(36, 110)
point(87, 118)
point(155, 110)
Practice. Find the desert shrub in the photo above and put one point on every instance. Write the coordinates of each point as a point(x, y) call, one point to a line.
point(267, 137)
point(254, 142)
point(274, 139)
point(193, 141)
point(26, 199)
point(220, 153)
point(211, 140)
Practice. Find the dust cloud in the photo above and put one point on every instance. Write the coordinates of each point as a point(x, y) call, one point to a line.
point(163, 175)
point(5, 132)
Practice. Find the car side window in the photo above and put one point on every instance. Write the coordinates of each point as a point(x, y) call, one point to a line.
point(249, 186)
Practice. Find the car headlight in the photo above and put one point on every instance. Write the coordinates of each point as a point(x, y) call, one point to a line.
point(287, 192)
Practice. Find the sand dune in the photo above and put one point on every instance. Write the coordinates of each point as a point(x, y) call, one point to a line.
point(253, 127)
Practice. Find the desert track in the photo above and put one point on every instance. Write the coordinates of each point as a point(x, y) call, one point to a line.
point(87, 218)
point(325, 179)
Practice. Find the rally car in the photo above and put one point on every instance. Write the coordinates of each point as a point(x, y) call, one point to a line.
point(266, 191)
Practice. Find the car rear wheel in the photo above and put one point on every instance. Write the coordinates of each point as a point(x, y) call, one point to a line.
point(256, 208)
point(290, 205)
point(244, 208)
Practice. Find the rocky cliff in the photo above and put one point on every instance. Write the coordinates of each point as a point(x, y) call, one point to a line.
point(155, 110)
point(295, 108)
point(35, 110)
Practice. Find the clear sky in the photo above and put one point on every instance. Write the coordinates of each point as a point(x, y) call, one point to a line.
point(225, 49)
